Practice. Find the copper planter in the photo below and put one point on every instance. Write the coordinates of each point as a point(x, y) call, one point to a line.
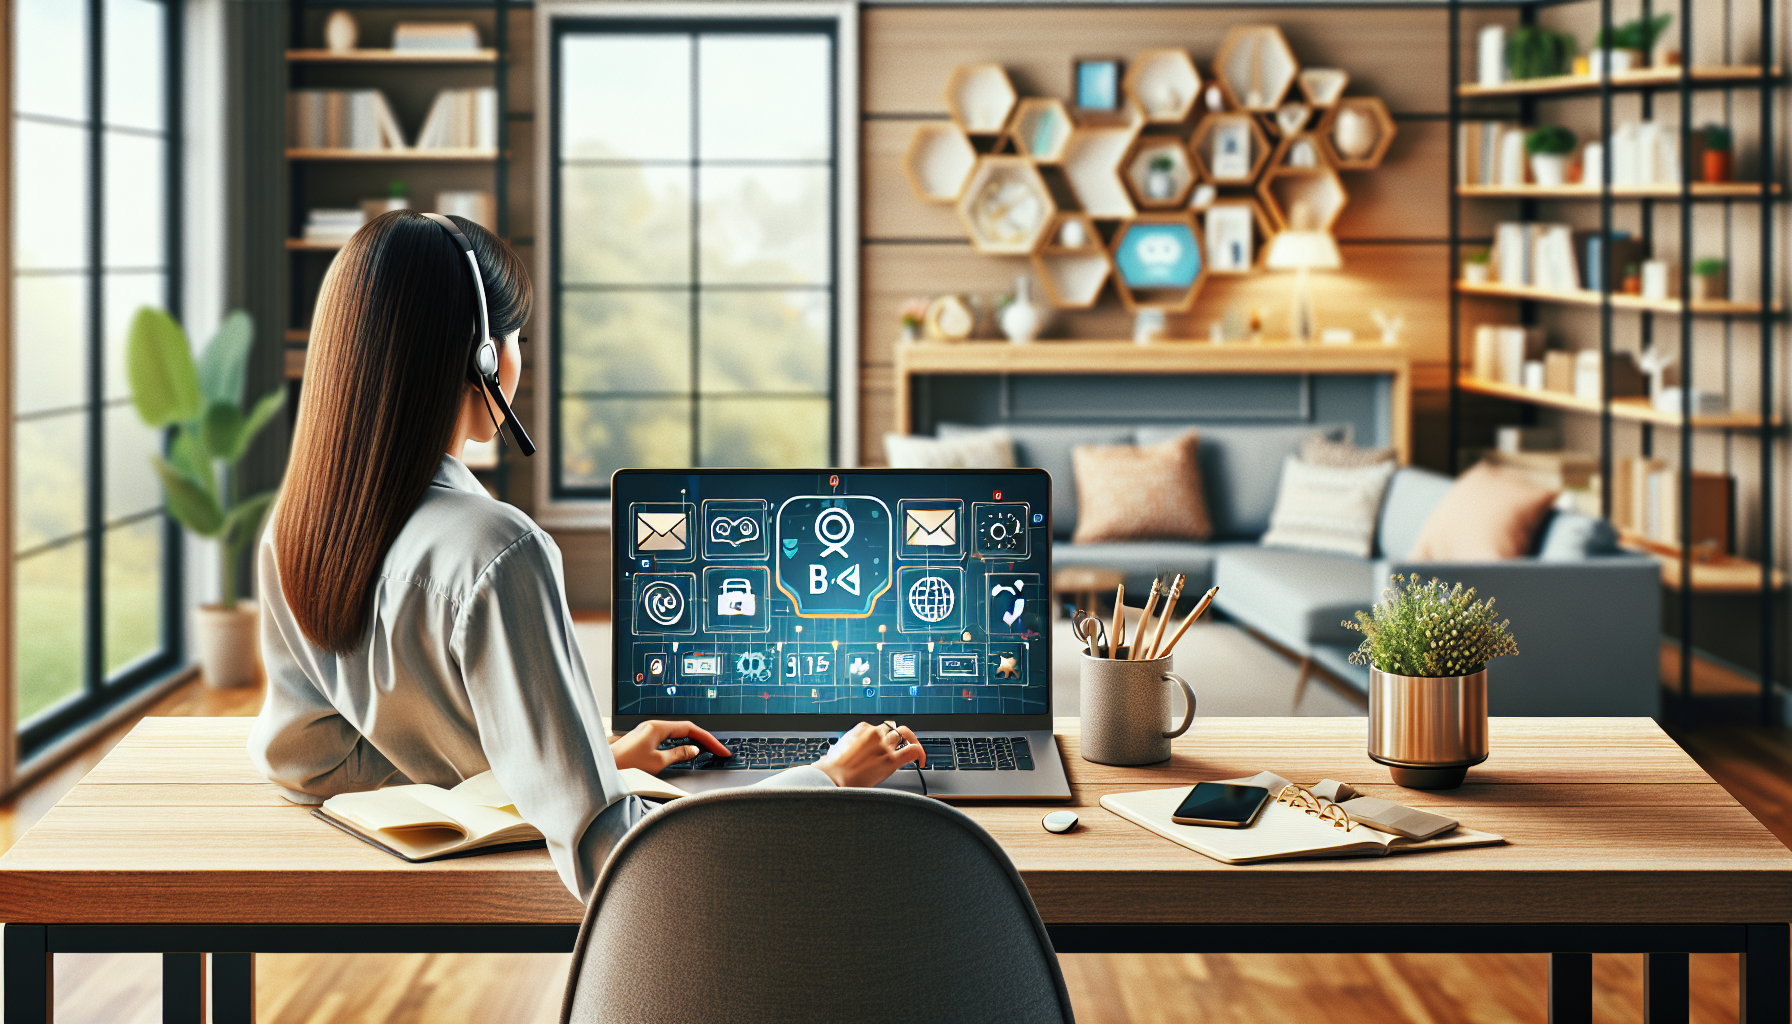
point(1428, 730)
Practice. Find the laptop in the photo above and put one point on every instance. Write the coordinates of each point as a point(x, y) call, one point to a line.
point(778, 609)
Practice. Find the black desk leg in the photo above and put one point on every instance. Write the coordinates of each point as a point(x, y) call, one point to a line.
point(30, 975)
point(233, 988)
point(183, 988)
point(1766, 975)
point(1665, 988)
point(1570, 988)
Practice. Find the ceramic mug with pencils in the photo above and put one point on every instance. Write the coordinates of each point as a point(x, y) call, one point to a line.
point(1126, 687)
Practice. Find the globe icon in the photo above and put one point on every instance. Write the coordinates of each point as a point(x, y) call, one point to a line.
point(930, 599)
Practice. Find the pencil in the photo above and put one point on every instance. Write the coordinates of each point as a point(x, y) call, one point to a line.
point(1164, 620)
point(1144, 622)
point(1200, 606)
point(1117, 636)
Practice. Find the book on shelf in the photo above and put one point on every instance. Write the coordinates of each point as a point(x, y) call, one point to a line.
point(1490, 153)
point(358, 119)
point(1535, 255)
point(1646, 503)
point(1501, 350)
point(461, 119)
point(333, 227)
point(435, 37)
point(1628, 379)
point(1558, 372)
point(475, 205)
point(1551, 470)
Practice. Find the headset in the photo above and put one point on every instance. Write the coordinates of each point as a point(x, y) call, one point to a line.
point(482, 368)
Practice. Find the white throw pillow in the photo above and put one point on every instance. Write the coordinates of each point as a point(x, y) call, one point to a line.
point(977, 449)
point(1328, 508)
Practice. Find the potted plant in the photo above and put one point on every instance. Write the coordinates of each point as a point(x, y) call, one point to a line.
point(1476, 266)
point(1535, 52)
point(203, 402)
point(1710, 280)
point(1717, 159)
point(1427, 647)
point(1160, 183)
point(913, 312)
point(1549, 146)
point(1624, 49)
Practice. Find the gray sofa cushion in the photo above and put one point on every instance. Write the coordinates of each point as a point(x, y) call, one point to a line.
point(1298, 598)
point(1572, 536)
point(1048, 447)
point(1412, 494)
point(1141, 561)
point(1241, 467)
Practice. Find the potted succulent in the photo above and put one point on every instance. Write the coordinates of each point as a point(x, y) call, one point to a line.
point(1427, 646)
point(1476, 266)
point(1160, 183)
point(1535, 52)
point(1717, 158)
point(1710, 280)
point(1627, 44)
point(203, 402)
point(1549, 146)
point(913, 312)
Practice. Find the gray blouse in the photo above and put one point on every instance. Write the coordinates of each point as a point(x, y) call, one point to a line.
point(469, 664)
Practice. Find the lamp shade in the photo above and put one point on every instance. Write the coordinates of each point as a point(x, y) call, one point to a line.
point(1303, 250)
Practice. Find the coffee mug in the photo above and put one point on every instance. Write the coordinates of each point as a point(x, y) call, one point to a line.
point(1125, 706)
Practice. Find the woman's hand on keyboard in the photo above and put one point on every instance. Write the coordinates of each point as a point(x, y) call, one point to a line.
point(867, 755)
point(640, 748)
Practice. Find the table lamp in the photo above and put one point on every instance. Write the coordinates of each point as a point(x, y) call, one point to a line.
point(1301, 248)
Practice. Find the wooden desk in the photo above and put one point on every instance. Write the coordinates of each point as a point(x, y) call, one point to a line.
point(1618, 843)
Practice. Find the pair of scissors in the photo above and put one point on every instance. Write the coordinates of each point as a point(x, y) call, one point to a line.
point(1090, 630)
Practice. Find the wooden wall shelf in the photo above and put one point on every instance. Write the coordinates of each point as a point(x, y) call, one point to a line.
point(408, 155)
point(301, 245)
point(1637, 410)
point(1700, 190)
point(1706, 307)
point(1727, 574)
point(1642, 78)
point(480, 56)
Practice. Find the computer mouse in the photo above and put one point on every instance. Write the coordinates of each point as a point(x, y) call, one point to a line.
point(1059, 821)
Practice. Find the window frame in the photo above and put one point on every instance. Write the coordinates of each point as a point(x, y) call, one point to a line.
point(555, 506)
point(101, 691)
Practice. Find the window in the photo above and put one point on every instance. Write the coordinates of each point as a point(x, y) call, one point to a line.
point(94, 559)
point(695, 183)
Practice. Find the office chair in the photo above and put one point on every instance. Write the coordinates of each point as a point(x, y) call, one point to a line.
point(763, 904)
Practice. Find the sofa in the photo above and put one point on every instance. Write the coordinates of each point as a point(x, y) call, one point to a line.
point(1585, 613)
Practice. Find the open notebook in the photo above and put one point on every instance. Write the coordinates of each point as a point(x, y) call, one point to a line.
point(1281, 832)
point(425, 822)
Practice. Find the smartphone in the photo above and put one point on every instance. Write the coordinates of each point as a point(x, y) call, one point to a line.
point(1222, 804)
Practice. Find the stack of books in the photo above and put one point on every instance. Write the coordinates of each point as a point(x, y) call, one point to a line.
point(341, 119)
point(333, 227)
point(1492, 153)
point(1535, 255)
point(1501, 350)
point(435, 37)
point(1646, 503)
point(461, 119)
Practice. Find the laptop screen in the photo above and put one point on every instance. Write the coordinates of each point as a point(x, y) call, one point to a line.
point(814, 599)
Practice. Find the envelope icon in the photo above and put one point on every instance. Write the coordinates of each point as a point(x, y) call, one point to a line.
point(930, 527)
point(661, 531)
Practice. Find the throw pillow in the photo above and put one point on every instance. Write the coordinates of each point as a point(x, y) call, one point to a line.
point(1320, 450)
point(1328, 508)
point(1139, 492)
point(1488, 515)
point(981, 449)
point(1573, 536)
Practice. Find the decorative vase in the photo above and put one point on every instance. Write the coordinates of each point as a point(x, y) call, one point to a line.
point(1021, 319)
point(1719, 165)
point(1620, 60)
point(1549, 169)
point(1353, 133)
point(1428, 730)
point(229, 644)
point(1475, 273)
point(1072, 235)
point(340, 32)
point(1159, 185)
point(910, 333)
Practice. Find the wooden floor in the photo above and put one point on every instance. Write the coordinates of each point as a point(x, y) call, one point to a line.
point(1755, 765)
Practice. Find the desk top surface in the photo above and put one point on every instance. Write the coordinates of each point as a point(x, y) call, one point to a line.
point(1608, 821)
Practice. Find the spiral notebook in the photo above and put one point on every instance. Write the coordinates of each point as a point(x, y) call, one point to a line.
point(1285, 830)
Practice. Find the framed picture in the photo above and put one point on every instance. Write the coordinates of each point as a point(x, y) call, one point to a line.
point(1097, 83)
point(1229, 238)
point(1232, 150)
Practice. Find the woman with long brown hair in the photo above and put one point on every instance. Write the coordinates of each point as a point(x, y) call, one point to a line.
point(414, 628)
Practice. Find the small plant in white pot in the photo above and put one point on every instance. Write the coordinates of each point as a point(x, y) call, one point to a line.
point(1427, 646)
point(1549, 146)
point(203, 402)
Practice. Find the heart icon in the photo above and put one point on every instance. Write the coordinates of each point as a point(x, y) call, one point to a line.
point(790, 547)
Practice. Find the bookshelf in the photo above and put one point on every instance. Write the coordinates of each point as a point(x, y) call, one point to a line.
point(1749, 325)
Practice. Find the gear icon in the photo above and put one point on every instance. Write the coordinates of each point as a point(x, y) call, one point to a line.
point(752, 667)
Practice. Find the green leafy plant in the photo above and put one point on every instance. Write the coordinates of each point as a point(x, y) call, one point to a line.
point(1550, 139)
point(203, 402)
point(1634, 35)
point(1534, 52)
point(1429, 629)
point(1162, 163)
point(1717, 138)
point(1477, 256)
point(1708, 266)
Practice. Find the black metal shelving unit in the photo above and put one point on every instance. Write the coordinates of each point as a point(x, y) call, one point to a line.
point(1766, 77)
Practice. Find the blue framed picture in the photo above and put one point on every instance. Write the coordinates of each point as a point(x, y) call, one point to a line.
point(1097, 84)
point(1159, 256)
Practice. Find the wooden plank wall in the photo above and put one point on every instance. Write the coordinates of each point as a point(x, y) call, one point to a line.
point(1393, 233)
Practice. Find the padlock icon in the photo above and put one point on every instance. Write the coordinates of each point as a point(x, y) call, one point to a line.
point(736, 598)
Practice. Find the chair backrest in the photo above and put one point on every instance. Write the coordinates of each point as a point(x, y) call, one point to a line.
point(812, 905)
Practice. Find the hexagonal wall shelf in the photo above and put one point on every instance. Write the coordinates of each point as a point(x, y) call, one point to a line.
point(1158, 262)
point(1323, 86)
point(1290, 118)
point(1159, 172)
point(1255, 67)
point(1092, 167)
point(1073, 280)
point(1357, 133)
point(938, 162)
point(1236, 230)
point(1164, 84)
point(980, 97)
point(1072, 231)
point(1284, 191)
point(1007, 207)
point(1300, 152)
point(1041, 129)
point(1229, 149)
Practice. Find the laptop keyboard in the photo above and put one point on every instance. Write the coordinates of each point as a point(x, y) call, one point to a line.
point(944, 753)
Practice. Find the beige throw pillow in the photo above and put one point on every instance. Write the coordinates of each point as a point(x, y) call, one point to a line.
point(1139, 492)
point(1320, 450)
point(1328, 508)
point(1488, 515)
point(973, 449)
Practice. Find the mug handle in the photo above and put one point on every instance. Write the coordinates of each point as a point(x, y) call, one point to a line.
point(1188, 693)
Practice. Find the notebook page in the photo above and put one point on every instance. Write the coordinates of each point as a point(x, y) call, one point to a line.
point(394, 808)
point(1280, 831)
